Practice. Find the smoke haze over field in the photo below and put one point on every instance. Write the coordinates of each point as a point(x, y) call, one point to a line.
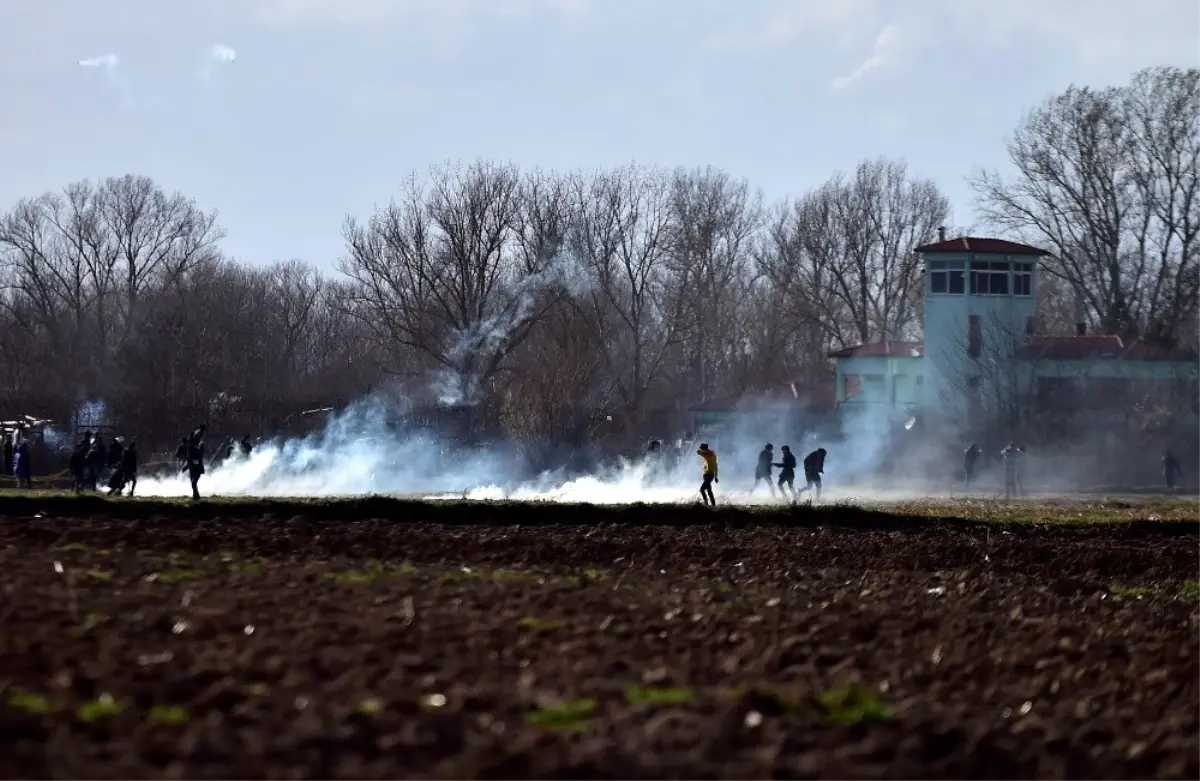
point(357, 454)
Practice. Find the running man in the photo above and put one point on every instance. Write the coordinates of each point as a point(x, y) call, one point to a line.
point(762, 473)
point(710, 474)
point(787, 473)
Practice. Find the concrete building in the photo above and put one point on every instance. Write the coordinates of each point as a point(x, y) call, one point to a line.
point(982, 356)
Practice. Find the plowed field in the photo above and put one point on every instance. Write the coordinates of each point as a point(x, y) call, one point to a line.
point(737, 646)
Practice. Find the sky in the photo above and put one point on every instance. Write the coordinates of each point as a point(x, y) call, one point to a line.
point(288, 115)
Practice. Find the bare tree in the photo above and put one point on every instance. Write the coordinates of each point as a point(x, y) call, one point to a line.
point(452, 274)
point(1108, 179)
point(634, 307)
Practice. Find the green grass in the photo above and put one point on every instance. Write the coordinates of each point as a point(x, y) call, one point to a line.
point(371, 706)
point(1189, 590)
point(671, 695)
point(571, 715)
point(28, 702)
point(180, 575)
point(1133, 592)
point(374, 571)
point(854, 705)
point(1074, 511)
point(99, 709)
point(167, 715)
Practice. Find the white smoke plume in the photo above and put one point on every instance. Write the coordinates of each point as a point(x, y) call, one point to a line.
point(459, 386)
point(217, 56)
point(358, 453)
point(109, 63)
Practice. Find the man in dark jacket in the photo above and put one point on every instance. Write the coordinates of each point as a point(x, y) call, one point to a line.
point(195, 458)
point(129, 466)
point(814, 467)
point(97, 460)
point(787, 473)
point(762, 472)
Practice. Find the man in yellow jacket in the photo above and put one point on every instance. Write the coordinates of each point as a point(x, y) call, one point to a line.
point(710, 474)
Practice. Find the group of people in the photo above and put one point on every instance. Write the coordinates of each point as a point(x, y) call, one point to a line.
point(1014, 468)
point(113, 465)
point(814, 467)
point(17, 456)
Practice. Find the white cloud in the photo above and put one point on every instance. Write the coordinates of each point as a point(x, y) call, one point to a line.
point(882, 54)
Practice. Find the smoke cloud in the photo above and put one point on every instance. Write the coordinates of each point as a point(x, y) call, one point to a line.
point(458, 384)
point(109, 64)
point(361, 452)
point(218, 56)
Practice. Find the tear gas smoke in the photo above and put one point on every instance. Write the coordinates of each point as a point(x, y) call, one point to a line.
point(459, 386)
point(357, 453)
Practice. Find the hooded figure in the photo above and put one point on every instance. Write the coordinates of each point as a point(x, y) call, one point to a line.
point(762, 472)
point(1171, 470)
point(970, 462)
point(710, 474)
point(814, 467)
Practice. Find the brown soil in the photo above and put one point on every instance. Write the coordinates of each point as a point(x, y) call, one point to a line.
point(298, 648)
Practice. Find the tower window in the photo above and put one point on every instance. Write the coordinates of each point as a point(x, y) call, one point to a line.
point(989, 278)
point(947, 276)
point(1022, 279)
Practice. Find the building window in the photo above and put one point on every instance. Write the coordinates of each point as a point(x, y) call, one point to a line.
point(974, 336)
point(1022, 279)
point(947, 276)
point(851, 386)
point(989, 278)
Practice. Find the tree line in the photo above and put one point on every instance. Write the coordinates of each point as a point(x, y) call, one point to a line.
point(572, 306)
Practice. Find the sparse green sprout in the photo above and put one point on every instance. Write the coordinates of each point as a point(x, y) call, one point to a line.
point(1189, 591)
point(724, 588)
point(179, 575)
point(512, 575)
point(666, 695)
point(103, 707)
point(576, 713)
point(31, 703)
point(254, 567)
point(73, 546)
point(1133, 592)
point(99, 574)
point(593, 573)
point(371, 706)
point(853, 705)
point(531, 624)
point(168, 715)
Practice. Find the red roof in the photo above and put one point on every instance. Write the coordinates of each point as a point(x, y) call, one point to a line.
point(981, 247)
point(792, 395)
point(1097, 347)
point(882, 350)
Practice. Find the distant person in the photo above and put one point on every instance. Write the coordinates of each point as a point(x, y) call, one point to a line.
point(970, 464)
point(762, 472)
point(9, 456)
point(195, 459)
point(116, 463)
point(181, 454)
point(97, 459)
point(22, 465)
point(814, 467)
point(129, 467)
point(709, 458)
point(787, 473)
point(247, 448)
point(1012, 470)
point(78, 462)
point(1171, 470)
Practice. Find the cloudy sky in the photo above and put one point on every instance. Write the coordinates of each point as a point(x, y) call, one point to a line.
point(329, 104)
